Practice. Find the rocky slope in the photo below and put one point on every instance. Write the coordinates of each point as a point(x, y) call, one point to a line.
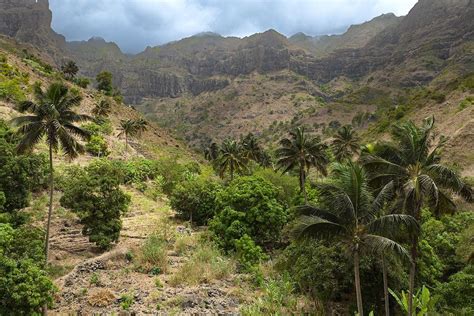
point(208, 87)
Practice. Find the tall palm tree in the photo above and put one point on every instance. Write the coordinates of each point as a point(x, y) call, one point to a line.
point(52, 118)
point(212, 152)
point(412, 163)
point(102, 109)
point(231, 157)
point(350, 215)
point(345, 143)
point(127, 128)
point(302, 151)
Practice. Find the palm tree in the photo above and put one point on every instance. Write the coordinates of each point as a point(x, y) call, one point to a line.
point(253, 150)
point(345, 143)
point(350, 215)
point(141, 125)
point(127, 128)
point(302, 151)
point(51, 118)
point(412, 163)
point(70, 70)
point(232, 158)
point(102, 109)
point(212, 152)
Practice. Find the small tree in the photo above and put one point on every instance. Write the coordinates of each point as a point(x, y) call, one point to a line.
point(98, 200)
point(69, 69)
point(127, 128)
point(104, 82)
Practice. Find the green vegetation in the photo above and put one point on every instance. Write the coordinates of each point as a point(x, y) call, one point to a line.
point(96, 197)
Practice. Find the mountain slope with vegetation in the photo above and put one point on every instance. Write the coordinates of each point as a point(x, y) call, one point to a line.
point(335, 184)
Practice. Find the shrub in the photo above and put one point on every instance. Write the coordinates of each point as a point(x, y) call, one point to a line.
point(19, 174)
point(248, 253)
point(287, 185)
point(98, 200)
point(458, 293)
point(195, 200)
point(82, 82)
point(205, 265)
point(97, 146)
point(102, 126)
point(10, 90)
point(249, 206)
point(24, 287)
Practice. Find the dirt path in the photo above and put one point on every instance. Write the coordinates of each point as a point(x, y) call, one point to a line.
point(108, 283)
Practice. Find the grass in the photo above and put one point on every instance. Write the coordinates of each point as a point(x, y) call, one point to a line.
point(57, 271)
point(152, 255)
point(206, 264)
point(184, 243)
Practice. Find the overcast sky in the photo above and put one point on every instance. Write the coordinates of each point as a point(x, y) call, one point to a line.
point(135, 24)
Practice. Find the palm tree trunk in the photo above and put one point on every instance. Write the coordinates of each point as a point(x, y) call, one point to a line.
point(385, 287)
point(126, 143)
point(357, 283)
point(231, 171)
point(414, 255)
point(50, 211)
point(302, 184)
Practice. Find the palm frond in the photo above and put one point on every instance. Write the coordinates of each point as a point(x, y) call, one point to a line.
point(381, 245)
point(316, 227)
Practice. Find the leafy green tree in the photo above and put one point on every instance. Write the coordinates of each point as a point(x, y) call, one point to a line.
point(195, 199)
point(98, 200)
point(104, 82)
point(411, 163)
point(52, 118)
point(24, 287)
point(303, 152)
point(351, 216)
point(102, 109)
point(70, 69)
point(345, 143)
point(19, 175)
point(97, 146)
point(231, 158)
point(249, 205)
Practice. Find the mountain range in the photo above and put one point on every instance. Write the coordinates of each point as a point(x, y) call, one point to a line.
point(206, 87)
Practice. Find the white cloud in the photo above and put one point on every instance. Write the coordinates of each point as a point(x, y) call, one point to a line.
point(135, 24)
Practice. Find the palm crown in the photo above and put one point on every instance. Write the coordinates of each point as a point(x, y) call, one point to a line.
point(231, 157)
point(302, 151)
point(345, 143)
point(52, 117)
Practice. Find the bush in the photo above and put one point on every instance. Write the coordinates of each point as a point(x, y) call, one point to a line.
point(458, 293)
point(19, 174)
point(97, 146)
point(287, 185)
point(98, 200)
point(248, 253)
point(102, 126)
point(195, 199)
point(249, 205)
point(82, 82)
point(24, 287)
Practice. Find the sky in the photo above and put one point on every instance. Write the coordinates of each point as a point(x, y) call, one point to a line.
point(136, 24)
